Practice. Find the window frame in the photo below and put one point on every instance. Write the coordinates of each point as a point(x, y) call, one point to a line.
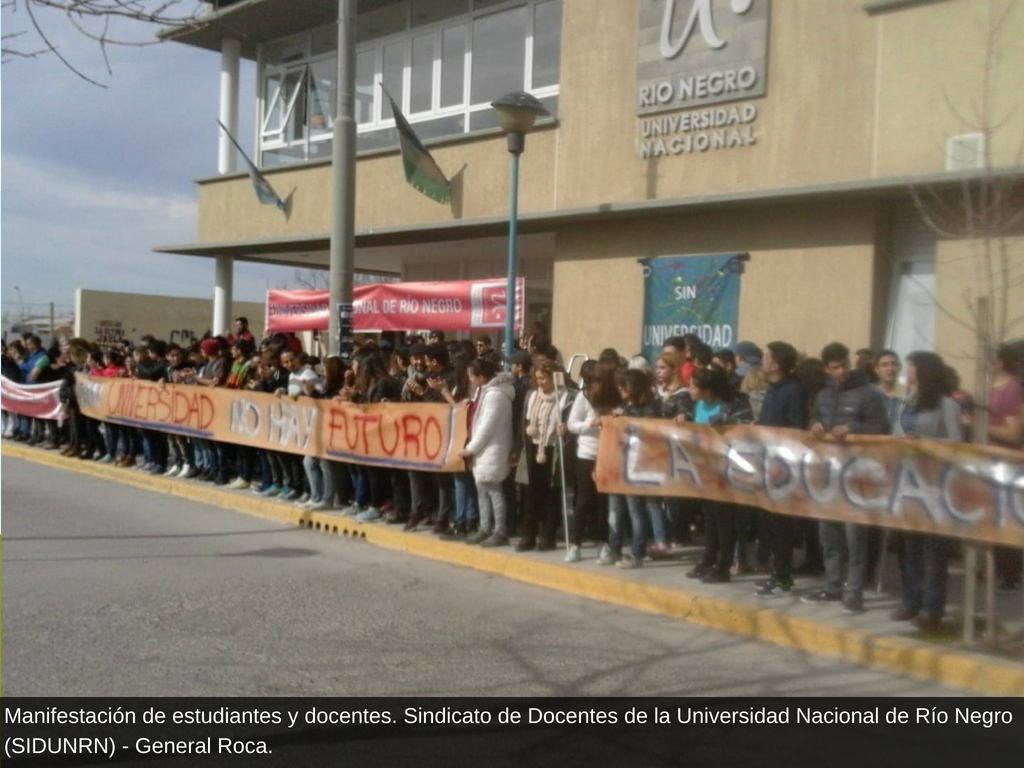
point(275, 141)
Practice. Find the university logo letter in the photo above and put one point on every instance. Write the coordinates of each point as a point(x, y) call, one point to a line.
point(700, 13)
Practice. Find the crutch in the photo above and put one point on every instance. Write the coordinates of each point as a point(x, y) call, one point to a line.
point(559, 379)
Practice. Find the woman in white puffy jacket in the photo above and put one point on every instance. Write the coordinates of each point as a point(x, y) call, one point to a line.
point(490, 447)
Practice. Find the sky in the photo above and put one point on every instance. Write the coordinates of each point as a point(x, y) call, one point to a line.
point(93, 178)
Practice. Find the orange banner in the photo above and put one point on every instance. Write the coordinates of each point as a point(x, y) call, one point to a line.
point(953, 489)
point(420, 436)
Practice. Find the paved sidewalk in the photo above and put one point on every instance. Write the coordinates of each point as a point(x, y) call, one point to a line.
point(871, 638)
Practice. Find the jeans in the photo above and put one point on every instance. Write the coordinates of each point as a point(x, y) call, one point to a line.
point(465, 499)
point(925, 573)
point(370, 490)
point(618, 505)
point(320, 473)
point(849, 540)
point(656, 519)
point(492, 508)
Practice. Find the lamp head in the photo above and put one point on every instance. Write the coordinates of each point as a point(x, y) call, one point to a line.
point(518, 111)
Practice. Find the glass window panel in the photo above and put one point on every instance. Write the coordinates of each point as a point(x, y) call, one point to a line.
point(382, 139)
point(273, 118)
point(551, 105)
point(295, 106)
point(547, 43)
point(912, 321)
point(483, 120)
point(321, 150)
point(394, 63)
point(421, 80)
point(499, 57)
point(366, 64)
point(284, 156)
point(453, 66)
point(322, 95)
point(444, 126)
point(428, 11)
point(383, 22)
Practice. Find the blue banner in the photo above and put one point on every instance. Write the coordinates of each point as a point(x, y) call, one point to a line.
point(691, 294)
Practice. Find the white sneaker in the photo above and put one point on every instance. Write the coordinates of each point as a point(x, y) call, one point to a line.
point(172, 471)
point(573, 555)
point(315, 506)
point(351, 510)
point(185, 469)
point(238, 484)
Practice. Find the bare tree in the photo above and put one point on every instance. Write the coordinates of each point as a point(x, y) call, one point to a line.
point(107, 22)
point(986, 212)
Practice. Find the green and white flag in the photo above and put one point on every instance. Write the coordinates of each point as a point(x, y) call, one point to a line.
point(421, 171)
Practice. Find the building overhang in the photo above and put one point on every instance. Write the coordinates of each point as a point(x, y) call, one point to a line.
point(374, 244)
point(253, 22)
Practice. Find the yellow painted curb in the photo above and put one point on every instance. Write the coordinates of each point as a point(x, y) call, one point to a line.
point(953, 667)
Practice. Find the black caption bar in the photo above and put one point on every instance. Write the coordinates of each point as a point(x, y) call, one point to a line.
point(515, 732)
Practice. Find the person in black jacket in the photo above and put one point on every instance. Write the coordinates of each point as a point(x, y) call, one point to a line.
point(784, 406)
point(849, 405)
point(715, 403)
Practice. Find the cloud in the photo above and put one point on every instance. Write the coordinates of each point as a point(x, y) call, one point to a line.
point(94, 178)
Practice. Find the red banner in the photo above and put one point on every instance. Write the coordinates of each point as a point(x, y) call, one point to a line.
point(465, 305)
point(40, 401)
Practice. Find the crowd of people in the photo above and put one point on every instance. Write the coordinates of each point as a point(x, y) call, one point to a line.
point(533, 441)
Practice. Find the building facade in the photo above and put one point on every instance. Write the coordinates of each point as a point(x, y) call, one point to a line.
point(865, 154)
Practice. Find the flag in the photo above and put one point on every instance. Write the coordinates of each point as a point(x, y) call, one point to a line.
point(264, 191)
point(420, 169)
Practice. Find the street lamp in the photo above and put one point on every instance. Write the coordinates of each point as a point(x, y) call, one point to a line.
point(516, 115)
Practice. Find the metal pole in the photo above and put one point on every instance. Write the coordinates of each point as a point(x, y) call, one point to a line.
point(343, 178)
point(53, 335)
point(980, 437)
point(515, 148)
point(990, 596)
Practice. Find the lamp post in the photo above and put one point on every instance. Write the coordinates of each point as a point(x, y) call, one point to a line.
point(343, 186)
point(516, 115)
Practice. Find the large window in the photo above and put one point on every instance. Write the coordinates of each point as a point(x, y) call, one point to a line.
point(442, 61)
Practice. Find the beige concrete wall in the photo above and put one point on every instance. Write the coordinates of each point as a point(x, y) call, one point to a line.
point(967, 270)
point(479, 169)
point(809, 280)
point(100, 314)
point(849, 96)
point(945, 69)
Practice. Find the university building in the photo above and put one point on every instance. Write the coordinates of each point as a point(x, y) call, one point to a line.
point(863, 157)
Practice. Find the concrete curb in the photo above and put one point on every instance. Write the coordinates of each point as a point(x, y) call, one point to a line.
point(948, 666)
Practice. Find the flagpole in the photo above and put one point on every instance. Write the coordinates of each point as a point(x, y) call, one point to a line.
point(343, 186)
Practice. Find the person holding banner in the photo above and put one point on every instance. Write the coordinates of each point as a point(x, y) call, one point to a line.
point(715, 403)
point(676, 401)
point(784, 406)
point(598, 397)
point(926, 412)
point(849, 405)
point(638, 401)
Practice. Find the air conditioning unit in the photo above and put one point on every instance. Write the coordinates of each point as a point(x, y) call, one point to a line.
point(965, 152)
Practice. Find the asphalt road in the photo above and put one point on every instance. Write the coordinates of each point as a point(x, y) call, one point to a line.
point(111, 590)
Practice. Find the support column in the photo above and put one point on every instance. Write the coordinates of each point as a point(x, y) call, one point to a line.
point(230, 55)
point(222, 292)
point(227, 162)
